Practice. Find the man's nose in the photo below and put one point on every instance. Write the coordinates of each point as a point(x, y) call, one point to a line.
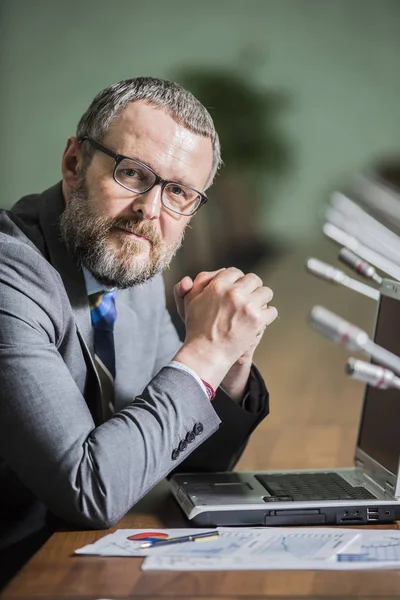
point(149, 204)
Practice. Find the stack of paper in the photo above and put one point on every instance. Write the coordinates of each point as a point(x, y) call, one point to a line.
point(257, 549)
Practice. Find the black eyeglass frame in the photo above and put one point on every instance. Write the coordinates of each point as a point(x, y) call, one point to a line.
point(157, 181)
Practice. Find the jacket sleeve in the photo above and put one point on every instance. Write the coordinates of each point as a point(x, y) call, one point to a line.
point(88, 475)
point(223, 449)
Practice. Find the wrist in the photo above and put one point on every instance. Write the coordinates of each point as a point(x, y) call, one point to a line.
point(210, 366)
point(235, 383)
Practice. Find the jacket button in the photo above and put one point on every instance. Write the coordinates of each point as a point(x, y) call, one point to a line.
point(175, 454)
point(182, 446)
point(198, 428)
point(190, 437)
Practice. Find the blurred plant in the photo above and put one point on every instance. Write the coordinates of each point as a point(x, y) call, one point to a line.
point(245, 117)
point(254, 153)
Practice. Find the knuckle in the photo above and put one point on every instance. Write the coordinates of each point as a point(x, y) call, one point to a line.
point(218, 286)
point(201, 276)
point(236, 271)
point(235, 296)
point(255, 278)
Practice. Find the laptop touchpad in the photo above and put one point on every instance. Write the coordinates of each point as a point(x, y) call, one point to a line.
point(219, 492)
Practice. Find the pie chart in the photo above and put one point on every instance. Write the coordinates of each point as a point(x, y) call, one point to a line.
point(148, 536)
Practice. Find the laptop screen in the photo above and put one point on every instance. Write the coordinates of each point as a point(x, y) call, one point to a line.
point(379, 434)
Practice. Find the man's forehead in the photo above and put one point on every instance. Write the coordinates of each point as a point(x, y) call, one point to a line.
point(140, 117)
point(152, 135)
point(142, 120)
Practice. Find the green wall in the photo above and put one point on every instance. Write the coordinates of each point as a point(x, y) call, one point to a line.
point(338, 61)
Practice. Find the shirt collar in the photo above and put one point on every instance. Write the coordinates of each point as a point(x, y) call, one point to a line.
point(92, 285)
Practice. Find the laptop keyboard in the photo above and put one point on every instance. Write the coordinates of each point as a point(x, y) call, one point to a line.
point(310, 486)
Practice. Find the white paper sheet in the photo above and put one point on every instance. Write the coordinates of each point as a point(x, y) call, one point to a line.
point(266, 543)
point(126, 542)
point(366, 550)
point(237, 563)
point(376, 547)
point(252, 548)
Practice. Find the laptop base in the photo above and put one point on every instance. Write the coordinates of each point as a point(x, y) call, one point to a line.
point(239, 499)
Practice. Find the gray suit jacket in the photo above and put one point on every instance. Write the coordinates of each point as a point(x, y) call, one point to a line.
point(57, 456)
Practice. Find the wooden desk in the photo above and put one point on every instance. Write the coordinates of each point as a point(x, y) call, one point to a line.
point(313, 423)
point(55, 574)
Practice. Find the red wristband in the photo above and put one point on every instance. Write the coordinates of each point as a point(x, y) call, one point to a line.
point(209, 389)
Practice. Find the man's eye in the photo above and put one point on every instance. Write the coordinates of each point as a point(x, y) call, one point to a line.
point(130, 173)
point(177, 191)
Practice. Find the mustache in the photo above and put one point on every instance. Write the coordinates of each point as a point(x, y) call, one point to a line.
point(138, 227)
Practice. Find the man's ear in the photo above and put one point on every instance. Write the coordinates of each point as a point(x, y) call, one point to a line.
point(71, 161)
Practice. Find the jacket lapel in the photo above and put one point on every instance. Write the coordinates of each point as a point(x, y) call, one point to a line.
point(50, 208)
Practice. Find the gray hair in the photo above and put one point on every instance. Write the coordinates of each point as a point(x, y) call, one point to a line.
point(183, 107)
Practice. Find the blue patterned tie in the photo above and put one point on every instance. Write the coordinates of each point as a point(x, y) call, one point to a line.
point(103, 314)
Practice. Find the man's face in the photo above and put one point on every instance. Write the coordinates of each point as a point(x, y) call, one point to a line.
point(125, 238)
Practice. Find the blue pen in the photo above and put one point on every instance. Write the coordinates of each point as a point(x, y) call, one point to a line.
point(207, 535)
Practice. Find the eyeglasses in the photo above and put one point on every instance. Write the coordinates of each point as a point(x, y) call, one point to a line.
point(139, 178)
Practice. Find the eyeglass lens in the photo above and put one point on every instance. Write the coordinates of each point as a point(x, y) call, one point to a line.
point(137, 178)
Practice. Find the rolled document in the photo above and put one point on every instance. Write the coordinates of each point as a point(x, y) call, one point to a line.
point(350, 336)
point(360, 266)
point(372, 256)
point(353, 219)
point(373, 375)
point(333, 275)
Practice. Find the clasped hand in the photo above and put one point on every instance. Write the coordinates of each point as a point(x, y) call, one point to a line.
point(225, 314)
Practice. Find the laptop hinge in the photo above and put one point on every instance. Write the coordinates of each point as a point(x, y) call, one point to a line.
point(359, 464)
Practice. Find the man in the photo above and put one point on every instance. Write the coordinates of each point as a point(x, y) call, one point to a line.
point(99, 400)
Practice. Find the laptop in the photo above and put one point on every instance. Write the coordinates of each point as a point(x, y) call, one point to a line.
point(367, 493)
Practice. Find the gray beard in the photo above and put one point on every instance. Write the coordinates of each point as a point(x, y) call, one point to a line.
point(86, 236)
